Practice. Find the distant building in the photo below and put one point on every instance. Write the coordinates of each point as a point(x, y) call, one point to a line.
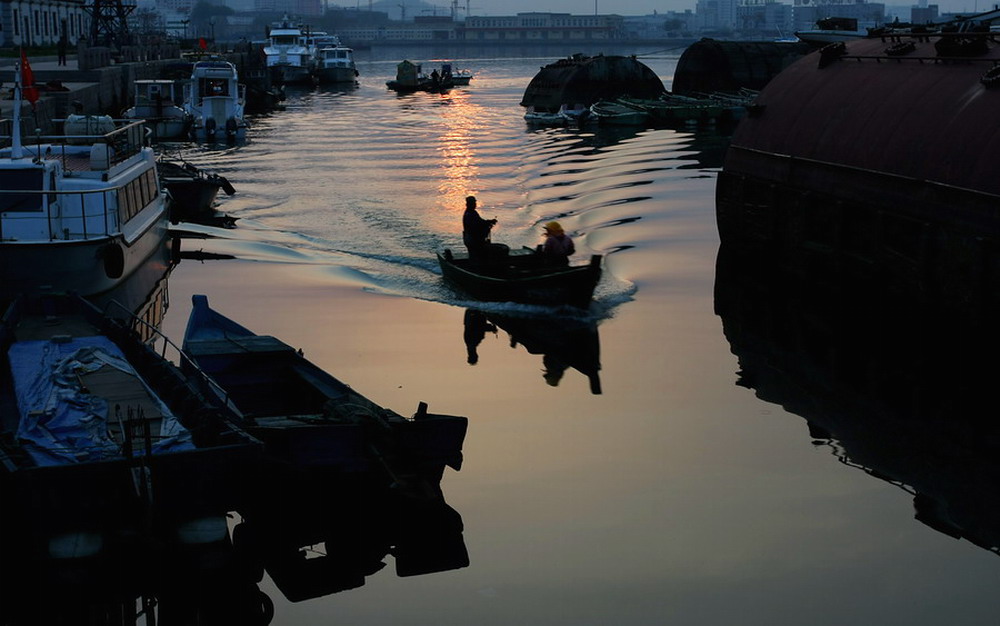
point(659, 25)
point(528, 27)
point(924, 14)
point(765, 17)
point(35, 23)
point(868, 14)
point(298, 8)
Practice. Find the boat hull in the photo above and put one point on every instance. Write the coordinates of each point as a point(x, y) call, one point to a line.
point(333, 75)
point(308, 419)
point(88, 267)
point(519, 278)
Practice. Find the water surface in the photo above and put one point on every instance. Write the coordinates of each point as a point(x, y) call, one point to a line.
point(699, 487)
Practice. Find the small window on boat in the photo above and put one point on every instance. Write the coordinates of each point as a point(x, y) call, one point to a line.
point(152, 185)
point(21, 180)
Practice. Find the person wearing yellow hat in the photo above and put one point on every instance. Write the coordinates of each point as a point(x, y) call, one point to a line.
point(558, 245)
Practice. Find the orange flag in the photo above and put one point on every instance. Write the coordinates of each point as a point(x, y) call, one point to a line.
point(28, 89)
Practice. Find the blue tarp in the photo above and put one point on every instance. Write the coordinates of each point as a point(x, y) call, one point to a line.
point(60, 423)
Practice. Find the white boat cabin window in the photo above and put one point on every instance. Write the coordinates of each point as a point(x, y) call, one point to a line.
point(136, 195)
point(21, 180)
point(214, 87)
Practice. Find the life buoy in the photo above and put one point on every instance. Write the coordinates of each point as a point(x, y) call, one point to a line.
point(114, 260)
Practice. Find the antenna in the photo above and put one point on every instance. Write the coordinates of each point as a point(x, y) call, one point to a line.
point(109, 22)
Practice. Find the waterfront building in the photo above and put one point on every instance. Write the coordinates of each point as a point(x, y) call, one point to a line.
point(33, 23)
point(528, 27)
point(868, 14)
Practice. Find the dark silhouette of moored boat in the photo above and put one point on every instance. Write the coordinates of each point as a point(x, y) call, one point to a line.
point(307, 418)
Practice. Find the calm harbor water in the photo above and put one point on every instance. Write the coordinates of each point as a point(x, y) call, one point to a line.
point(700, 486)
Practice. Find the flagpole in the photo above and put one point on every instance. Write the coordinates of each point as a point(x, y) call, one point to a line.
point(15, 135)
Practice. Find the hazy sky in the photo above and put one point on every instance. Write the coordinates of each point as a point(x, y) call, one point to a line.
point(632, 7)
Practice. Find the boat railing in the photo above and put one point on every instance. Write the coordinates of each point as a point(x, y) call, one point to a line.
point(167, 349)
point(71, 215)
point(127, 139)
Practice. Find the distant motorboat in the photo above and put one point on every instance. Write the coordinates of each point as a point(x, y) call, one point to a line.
point(158, 102)
point(288, 57)
point(333, 62)
point(216, 101)
point(458, 77)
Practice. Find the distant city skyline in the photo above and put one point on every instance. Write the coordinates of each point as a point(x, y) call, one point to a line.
point(624, 7)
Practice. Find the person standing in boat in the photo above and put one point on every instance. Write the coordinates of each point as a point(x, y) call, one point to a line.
point(476, 231)
point(558, 245)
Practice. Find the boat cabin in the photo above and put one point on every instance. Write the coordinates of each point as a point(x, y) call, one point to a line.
point(157, 92)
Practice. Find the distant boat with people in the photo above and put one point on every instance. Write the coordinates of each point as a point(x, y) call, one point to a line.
point(521, 275)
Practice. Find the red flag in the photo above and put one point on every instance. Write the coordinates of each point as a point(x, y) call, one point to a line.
point(28, 89)
point(202, 43)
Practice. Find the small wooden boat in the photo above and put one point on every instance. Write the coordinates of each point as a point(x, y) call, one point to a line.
point(102, 437)
point(306, 417)
point(522, 276)
point(616, 113)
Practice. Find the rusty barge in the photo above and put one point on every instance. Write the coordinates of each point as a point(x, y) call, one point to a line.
point(877, 158)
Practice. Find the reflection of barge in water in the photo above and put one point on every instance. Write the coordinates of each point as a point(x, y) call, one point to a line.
point(875, 156)
point(894, 389)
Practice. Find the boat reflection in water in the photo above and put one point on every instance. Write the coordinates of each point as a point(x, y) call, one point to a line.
point(563, 342)
point(312, 549)
point(893, 386)
point(175, 568)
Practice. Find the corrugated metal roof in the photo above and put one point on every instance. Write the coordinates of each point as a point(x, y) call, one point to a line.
point(585, 80)
point(915, 115)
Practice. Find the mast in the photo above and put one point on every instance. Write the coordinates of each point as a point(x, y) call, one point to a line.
point(15, 132)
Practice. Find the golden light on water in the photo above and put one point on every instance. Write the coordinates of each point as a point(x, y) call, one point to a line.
point(459, 166)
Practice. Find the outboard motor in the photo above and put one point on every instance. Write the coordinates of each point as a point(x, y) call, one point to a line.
point(231, 127)
point(210, 128)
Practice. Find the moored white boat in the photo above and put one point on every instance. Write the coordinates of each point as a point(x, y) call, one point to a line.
point(334, 63)
point(288, 57)
point(158, 102)
point(79, 211)
point(216, 100)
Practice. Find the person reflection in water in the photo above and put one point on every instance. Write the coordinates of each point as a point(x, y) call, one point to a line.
point(554, 369)
point(558, 246)
point(476, 231)
point(476, 327)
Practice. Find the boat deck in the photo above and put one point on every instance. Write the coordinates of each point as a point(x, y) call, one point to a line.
point(125, 393)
